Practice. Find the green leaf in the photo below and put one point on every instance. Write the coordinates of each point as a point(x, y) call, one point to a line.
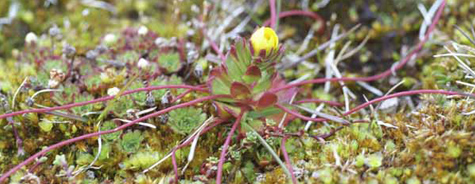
point(242, 52)
point(240, 91)
point(263, 84)
point(266, 100)
point(105, 151)
point(131, 141)
point(84, 159)
point(220, 87)
point(264, 112)
point(46, 125)
point(170, 62)
point(374, 160)
point(253, 74)
point(235, 71)
point(142, 160)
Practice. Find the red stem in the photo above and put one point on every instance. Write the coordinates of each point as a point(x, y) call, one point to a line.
point(175, 165)
point(273, 17)
point(69, 141)
point(181, 95)
point(319, 101)
point(222, 157)
point(381, 75)
point(101, 99)
point(287, 159)
point(213, 44)
point(290, 13)
point(215, 47)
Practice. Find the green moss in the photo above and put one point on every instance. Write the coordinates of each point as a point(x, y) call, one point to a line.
point(170, 62)
point(108, 125)
point(185, 120)
point(130, 141)
point(142, 160)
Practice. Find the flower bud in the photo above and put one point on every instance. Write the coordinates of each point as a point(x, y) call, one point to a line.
point(143, 64)
point(113, 91)
point(110, 39)
point(31, 38)
point(69, 50)
point(264, 39)
point(142, 31)
point(54, 31)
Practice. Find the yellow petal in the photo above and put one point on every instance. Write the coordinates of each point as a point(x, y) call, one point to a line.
point(264, 39)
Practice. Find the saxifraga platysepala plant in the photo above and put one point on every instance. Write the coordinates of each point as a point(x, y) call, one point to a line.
point(246, 82)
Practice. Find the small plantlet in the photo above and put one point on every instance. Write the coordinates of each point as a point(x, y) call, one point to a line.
point(185, 120)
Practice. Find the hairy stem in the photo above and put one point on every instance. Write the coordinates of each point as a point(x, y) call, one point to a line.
point(287, 159)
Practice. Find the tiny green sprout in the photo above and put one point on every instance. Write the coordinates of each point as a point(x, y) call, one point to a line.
point(185, 120)
point(84, 159)
point(374, 160)
point(471, 171)
point(142, 160)
point(60, 160)
point(413, 180)
point(105, 151)
point(251, 137)
point(235, 153)
point(389, 146)
point(325, 175)
point(391, 180)
point(359, 162)
point(46, 125)
point(108, 125)
point(144, 179)
point(170, 62)
point(453, 150)
point(130, 142)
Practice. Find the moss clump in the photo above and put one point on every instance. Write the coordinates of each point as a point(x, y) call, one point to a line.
point(130, 141)
point(185, 120)
point(142, 160)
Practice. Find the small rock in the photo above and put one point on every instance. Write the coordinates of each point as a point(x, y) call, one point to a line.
point(389, 105)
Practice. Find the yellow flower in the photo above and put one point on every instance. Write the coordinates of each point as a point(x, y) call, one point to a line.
point(264, 39)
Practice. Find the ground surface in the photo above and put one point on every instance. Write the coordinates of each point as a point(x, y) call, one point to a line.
point(85, 50)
